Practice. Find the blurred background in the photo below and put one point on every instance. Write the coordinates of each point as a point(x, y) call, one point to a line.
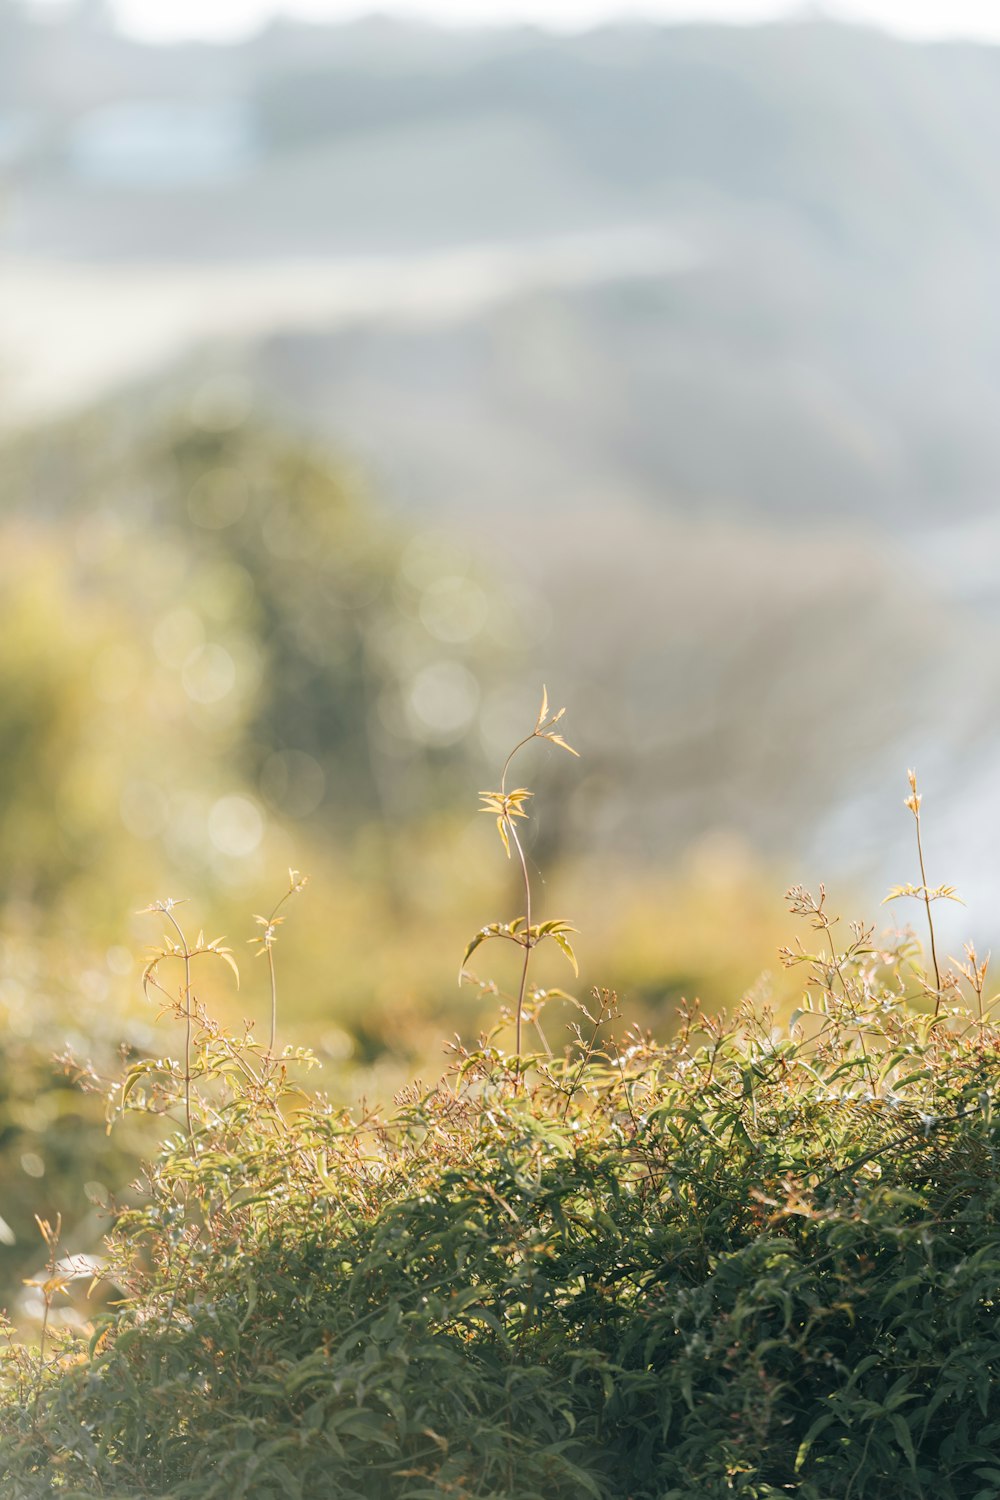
point(359, 374)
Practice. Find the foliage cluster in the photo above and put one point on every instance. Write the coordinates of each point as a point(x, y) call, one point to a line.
point(56, 1154)
point(755, 1260)
point(211, 636)
point(220, 657)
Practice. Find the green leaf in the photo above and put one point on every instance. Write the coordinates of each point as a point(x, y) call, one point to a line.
point(565, 947)
point(820, 1425)
point(132, 1077)
point(904, 1438)
point(361, 1424)
point(862, 1368)
point(905, 1285)
point(474, 943)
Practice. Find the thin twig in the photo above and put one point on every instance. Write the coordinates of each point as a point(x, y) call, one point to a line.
point(187, 1016)
point(927, 904)
point(512, 831)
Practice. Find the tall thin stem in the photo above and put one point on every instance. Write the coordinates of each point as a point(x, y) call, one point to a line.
point(51, 1238)
point(512, 831)
point(506, 765)
point(265, 944)
point(187, 1017)
point(927, 904)
point(274, 998)
point(506, 807)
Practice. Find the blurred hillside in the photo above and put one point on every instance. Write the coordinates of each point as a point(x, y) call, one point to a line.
point(832, 197)
point(691, 333)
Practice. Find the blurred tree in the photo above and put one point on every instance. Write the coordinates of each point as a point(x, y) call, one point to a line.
point(217, 635)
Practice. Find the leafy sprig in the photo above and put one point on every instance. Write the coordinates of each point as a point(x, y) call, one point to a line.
point(508, 807)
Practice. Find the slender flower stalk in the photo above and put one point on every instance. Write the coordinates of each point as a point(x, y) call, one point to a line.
point(507, 806)
point(913, 803)
point(166, 908)
point(185, 951)
point(924, 892)
point(265, 942)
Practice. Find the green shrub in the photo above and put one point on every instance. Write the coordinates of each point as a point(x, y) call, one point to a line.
point(759, 1260)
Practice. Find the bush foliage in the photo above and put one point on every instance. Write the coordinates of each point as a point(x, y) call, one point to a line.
point(760, 1259)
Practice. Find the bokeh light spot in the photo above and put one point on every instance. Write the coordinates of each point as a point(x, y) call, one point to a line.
point(442, 702)
point(430, 555)
point(176, 634)
point(235, 826)
point(119, 960)
point(453, 609)
point(218, 498)
point(209, 674)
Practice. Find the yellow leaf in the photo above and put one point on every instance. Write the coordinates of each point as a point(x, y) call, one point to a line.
point(557, 739)
point(227, 958)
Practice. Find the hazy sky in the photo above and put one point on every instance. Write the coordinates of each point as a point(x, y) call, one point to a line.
point(168, 19)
